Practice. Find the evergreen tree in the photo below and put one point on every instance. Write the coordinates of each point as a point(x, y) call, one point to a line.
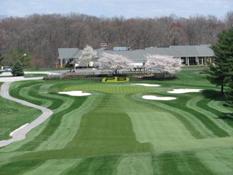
point(12, 56)
point(230, 94)
point(1, 59)
point(17, 69)
point(221, 71)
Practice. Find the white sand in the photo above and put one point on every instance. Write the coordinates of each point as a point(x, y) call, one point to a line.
point(183, 91)
point(75, 93)
point(146, 85)
point(153, 97)
point(18, 129)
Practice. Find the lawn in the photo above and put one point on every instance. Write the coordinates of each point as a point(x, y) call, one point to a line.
point(115, 131)
point(13, 115)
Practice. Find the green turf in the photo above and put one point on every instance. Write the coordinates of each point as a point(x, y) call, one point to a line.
point(97, 166)
point(13, 115)
point(115, 131)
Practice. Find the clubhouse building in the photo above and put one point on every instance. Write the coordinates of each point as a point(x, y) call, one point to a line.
point(189, 54)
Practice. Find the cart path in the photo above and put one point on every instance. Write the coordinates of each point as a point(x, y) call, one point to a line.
point(21, 132)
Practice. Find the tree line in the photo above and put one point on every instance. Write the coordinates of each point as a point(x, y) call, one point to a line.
point(41, 35)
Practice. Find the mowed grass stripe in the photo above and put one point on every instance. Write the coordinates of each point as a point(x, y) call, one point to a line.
point(30, 91)
point(96, 165)
point(53, 124)
point(218, 160)
point(69, 125)
point(196, 128)
point(103, 133)
point(221, 111)
point(54, 167)
point(218, 127)
point(56, 102)
point(160, 129)
point(59, 102)
point(219, 106)
point(106, 133)
point(179, 164)
point(33, 91)
point(19, 167)
point(187, 103)
point(46, 100)
point(216, 115)
point(135, 165)
point(155, 125)
point(20, 90)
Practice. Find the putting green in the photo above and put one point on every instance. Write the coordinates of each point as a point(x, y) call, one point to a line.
point(115, 131)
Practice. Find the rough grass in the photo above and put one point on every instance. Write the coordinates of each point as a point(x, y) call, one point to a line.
point(115, 131)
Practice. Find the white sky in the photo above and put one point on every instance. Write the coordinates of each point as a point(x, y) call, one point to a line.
point(110, 8)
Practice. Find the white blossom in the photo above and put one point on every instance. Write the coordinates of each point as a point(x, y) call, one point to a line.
point(163, 63)
point(88, 55)
point(113, 61)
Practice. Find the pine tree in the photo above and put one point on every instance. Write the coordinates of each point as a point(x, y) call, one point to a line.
point(17, 69)
point(221, 71)
point(1, 59)
point(230, 94)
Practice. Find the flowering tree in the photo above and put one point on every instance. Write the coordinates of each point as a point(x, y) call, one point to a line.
point(88, 55)
point(113, 62)
point(167, 64)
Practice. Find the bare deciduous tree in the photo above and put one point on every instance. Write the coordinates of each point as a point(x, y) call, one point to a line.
point(41, 35)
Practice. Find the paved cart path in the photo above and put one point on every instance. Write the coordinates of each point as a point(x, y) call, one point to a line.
point(21, 132)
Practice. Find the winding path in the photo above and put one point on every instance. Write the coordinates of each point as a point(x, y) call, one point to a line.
point(21, 132)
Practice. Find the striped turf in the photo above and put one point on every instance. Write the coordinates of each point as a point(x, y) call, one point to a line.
point(115, 131)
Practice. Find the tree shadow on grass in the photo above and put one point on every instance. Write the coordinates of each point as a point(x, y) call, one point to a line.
point(226, 116)
point(217, 96)
point(213, 95)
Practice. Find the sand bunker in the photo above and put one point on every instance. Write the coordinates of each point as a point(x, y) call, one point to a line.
point(183, 91)
point(18, 129)
point(146, 85)
point(75, 93)
point(153, 97)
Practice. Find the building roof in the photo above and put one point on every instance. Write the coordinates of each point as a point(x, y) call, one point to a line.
point(135, 55)
point(183, 51)
point(67, 53)
point(205, 51)
point(140, 54)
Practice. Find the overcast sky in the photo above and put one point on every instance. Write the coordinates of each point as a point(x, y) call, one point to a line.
point(110, 8)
